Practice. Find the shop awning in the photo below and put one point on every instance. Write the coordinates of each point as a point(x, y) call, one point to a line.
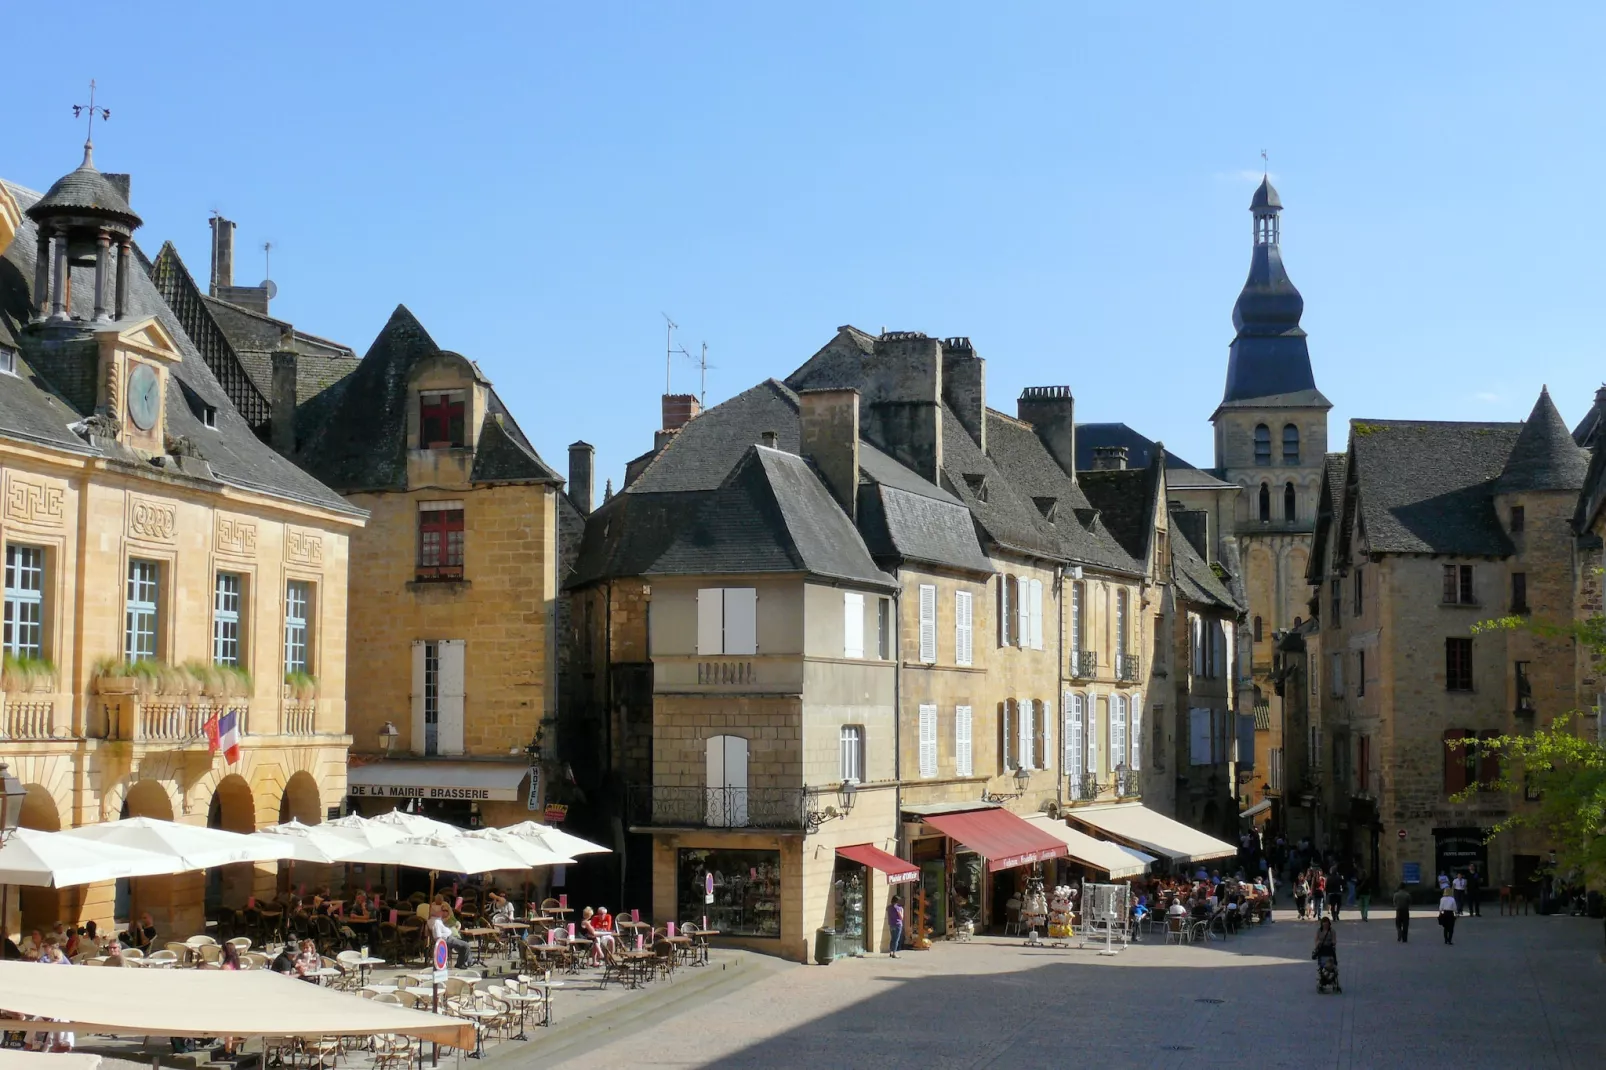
point(897, 870)
point(195, 1003)
point(1006, 841)
point(1259, 808)
point(469, 781)
point(1138, 824)
point(1113, 858)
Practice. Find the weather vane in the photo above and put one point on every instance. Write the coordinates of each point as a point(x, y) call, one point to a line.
point(1265, 162)
point(92, 108)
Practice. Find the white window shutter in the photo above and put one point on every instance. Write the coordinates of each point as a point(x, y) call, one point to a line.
point(418, 697)
point(741, 621)
point(1023, 717)
point(1117, 730)
point(710, 621)
point(1023, 616)
point(1045, 734)
point(1091, 724)
point(928, 740)
point(852, 624)
point(928, 623)
point(1199, 737)
point(450, 730)
point(964, 764)
point(1137, 733)
point(1006, 734)
point(964, 628)
point(1037, 614)
point(1004, 610)
point(1073, 733)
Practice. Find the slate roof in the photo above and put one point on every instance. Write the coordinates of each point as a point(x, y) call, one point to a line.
point(703, 452)
point(84, 188)
point(904, 517)
point(1545, 456)
point(31, 410)
point(1265, 195)
point(1197, 582)
point(1125, 500)
point(629, 532)
point(1427, 487)
point(1587, 433)
point(1140, 449)
point(1329, 509)
point(357, 440)
point(772, 514)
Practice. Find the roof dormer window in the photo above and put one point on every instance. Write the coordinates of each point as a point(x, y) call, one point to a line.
point(1047, 506)
point(440, 424)
point(209, 416)
point(8, 360)
point(977, 483)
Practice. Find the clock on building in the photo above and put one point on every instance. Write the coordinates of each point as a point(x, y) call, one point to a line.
point(144, 404)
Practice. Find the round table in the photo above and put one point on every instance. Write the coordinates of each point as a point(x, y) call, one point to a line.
point(364, 963)
point(383, 990)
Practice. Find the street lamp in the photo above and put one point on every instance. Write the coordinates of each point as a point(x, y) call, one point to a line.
point(12, 793)
point(846, 795)
point(1022, 779)
point(387, 738)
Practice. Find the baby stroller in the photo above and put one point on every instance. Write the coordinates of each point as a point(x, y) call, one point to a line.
point(1327, 974)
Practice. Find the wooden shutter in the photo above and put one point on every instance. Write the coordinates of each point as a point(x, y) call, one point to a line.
point(964, 756)
point(1136, 761)
point(1006, 728)
point(1090, 726)
point(1488, 759)
point(1025, 715)
point(928, 740)
point(1023, 615)
point(1198, 737)
point(710, 621)
point(450, 729)
point(726, 780)
point(418, 697)
point(1072, 736)
point(852, 624)
point(964, 628)
point(1455, 761)
point(1045, 743)
point(928, 623)
point(1006, 610)
point(1117, 730)
point(1035, 612)
point(741, 620)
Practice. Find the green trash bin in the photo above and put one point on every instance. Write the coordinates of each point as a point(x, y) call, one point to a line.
point(824, 946)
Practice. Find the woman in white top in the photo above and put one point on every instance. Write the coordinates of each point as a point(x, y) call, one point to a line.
point(1447, 915)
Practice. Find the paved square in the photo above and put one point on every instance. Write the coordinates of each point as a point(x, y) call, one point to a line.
point(1511, 993)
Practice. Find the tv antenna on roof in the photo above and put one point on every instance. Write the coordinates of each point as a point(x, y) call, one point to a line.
point(702, 368)
point(669, 348)
point(268, 284)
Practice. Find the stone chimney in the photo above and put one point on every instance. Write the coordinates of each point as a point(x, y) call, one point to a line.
point(830, 428)
point(1051, 410)
point(1193, 525)
point(222, 256)
point(902, 409)
point(582, 458)
point(770, 440)
point(678, 410)
point(964, 387)
point(1109, 458)
point(282, 405)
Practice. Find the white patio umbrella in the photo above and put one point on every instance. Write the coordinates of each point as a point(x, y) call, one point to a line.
point(305, 844)
point(555, 839)
point(51, 860)
point(416, 825)
point(461, 854)
point(362, 831)
point(194, 846)
point(531, 851)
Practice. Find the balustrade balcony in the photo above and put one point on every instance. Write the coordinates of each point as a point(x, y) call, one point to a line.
point(662, 806)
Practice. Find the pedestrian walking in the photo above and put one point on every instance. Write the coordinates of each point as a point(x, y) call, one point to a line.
point(1474, 890)
point(1318, 892)
point(895, 925)
point(1364, 894)
point(1402, 915)
point(1447, 914)
point(1335, 900)
point(1301, 894)
point(1459, 890)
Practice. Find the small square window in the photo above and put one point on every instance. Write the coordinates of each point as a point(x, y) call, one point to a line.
point(8, 360)
point(209, 416)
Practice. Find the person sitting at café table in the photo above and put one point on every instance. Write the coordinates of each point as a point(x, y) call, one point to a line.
point(598, 928)
point(33, 944)
point(142, 935)
point(308, 962)
point(283, 962)
point(8, 947)
point(501, 907)
point(114, 954)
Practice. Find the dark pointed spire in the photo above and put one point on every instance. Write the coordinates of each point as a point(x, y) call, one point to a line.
point(1545, 456)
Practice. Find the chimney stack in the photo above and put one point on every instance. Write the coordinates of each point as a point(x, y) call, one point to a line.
point(769, 440)
point(903, 392)
point(1051, 410)
point(678, 411)
point(582, 457)
point(222, 256)
point(830, 440)
point(964, 387)
point(1109, 458)
point(282, 405)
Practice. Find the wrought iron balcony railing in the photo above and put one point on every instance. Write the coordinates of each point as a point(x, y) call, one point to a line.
point(1128, 784)
point(1127, 667)
point(1082, 787)
point(1084, 664)
point(693, 807)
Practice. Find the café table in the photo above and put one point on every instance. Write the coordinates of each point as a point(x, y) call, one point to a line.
point(700, 945)
point(525, 1000)
point(381, 990)
point(325, 974)
point(638, 963)
point(363, 963)
point(479, 935)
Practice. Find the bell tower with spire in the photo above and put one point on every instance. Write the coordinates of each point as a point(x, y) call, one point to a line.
point(1271, 440)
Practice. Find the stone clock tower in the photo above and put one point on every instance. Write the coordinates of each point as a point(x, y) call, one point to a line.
point(1271, 441)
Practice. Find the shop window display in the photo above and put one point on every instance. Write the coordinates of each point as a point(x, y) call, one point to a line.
point(746, 890)
point(849, 885)
point(969, 868)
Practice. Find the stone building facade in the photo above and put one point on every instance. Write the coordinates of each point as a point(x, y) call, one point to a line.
point(163, 567)
point(1438, 527)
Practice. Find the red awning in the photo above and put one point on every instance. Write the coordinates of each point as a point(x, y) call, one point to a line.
point(897, 870)
point(1006, 841)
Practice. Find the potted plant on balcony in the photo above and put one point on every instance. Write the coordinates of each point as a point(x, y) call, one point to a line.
point(301, 685)
point(25, 674)
point(219, 681)
point(113, 676)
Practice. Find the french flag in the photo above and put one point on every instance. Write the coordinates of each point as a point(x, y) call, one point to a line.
point(223, 733)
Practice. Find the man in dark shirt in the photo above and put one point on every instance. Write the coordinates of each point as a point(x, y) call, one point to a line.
point(285, 962)
point(1402, 915)
point(9, 949)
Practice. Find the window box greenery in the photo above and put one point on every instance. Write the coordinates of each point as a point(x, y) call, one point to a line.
point(24, 674)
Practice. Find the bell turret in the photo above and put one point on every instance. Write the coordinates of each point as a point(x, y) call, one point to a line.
point(80, 218)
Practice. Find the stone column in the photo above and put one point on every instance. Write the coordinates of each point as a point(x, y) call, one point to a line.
point(103, 254)
point(125, 250)
point(58, 296)
point(41, 274)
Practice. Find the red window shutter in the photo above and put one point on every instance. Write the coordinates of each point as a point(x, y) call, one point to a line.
point(1488, 759)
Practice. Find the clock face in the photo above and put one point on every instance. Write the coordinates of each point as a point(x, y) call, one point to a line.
point(144, 402)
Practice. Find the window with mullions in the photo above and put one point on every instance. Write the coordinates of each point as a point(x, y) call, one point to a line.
point(297, 629)
point(227, 597)
point(139, 618)
point(440, 540)
point(432, 698)
point(1262, 444)
point(25, 602)
point(440, 420)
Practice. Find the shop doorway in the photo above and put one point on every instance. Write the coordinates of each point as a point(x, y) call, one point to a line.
point(934, 885)
point(849, 885)
point(1454, 849)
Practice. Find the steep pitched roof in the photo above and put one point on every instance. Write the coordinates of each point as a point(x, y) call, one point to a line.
point(1140, 449)
point(32, 411)
point(1587, 433)
point(1426, 487)
point(358, 440)
point(702, 453)
point(1125, 499)
point(1545, 456)
point(905, 517)
point(1329, 510)
point(628, 532)
point(1197, 582)
point(772, 514)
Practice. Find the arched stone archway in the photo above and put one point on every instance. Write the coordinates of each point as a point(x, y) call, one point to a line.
point(233, 809)
point(303, 802)
point(39, 908)
point(156, 895)
point(147, 798)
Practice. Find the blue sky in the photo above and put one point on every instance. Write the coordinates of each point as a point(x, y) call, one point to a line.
point(1066, 186)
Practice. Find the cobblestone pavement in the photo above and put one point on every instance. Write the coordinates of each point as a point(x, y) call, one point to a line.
point(1513, 993)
